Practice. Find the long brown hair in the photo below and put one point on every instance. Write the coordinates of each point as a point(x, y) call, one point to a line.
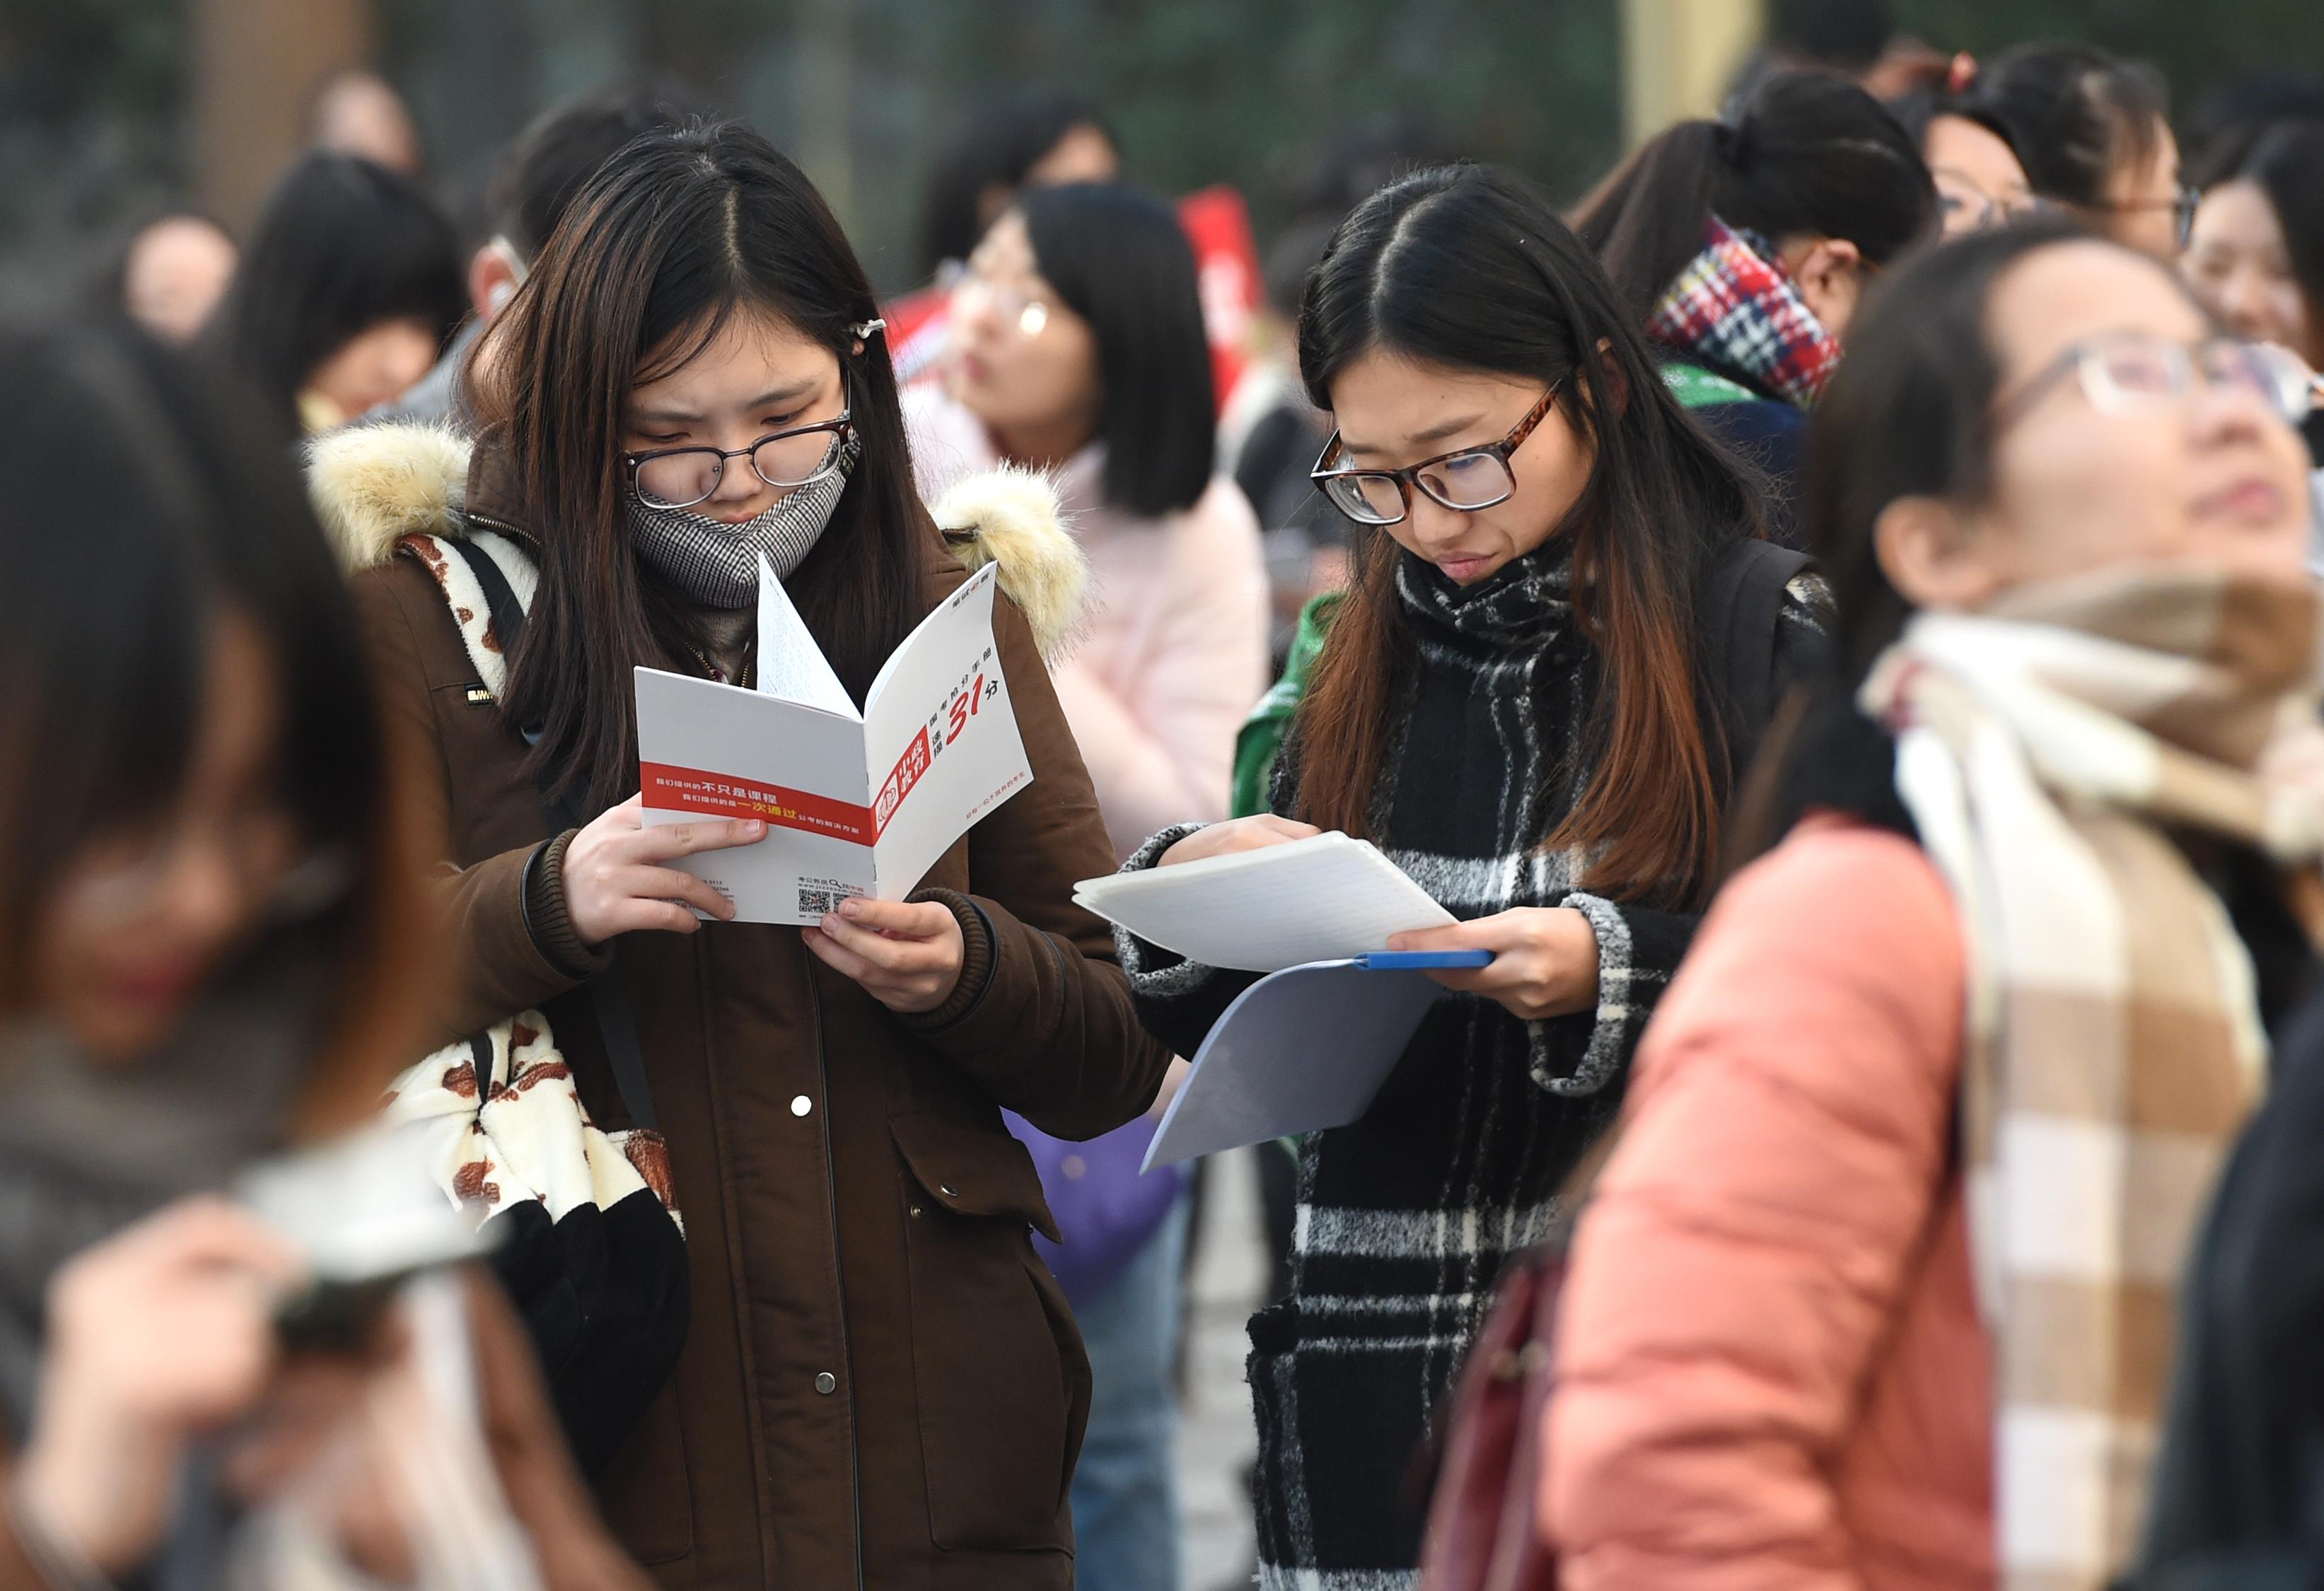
point(673, 237)
point(1469, 268)
point(122, 560)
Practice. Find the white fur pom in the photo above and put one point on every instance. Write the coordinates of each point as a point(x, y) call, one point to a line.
point(1009, 517)
point(372, 485)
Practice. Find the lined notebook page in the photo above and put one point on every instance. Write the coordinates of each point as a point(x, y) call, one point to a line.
point(1261, 911)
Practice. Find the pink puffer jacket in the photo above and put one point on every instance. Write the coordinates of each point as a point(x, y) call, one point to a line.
point(1771, 1369)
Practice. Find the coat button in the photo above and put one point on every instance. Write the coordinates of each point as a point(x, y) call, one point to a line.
point(826, 1383)
point(801, 1105)
point(947, 1192)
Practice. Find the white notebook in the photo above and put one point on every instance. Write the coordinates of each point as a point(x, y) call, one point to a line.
point(1319, 900)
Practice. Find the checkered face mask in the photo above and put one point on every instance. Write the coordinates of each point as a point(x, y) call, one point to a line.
point(718, 563)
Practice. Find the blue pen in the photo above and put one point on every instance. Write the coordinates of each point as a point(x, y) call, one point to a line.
point(1422, 961)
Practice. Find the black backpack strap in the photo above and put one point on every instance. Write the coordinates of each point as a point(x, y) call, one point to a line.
point(616, 1023)
point(1741, 604)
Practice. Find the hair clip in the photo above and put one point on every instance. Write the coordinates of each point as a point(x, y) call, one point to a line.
point(1960, 76)
point(862, 329)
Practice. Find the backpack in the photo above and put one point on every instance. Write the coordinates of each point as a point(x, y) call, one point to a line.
point(591, 1249)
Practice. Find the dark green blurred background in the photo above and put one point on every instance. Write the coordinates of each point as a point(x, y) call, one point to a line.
point(99, 99)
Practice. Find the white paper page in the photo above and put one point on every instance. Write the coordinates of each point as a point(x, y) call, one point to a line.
point(712, 751)
point(1261, 911)
point(790, 665)
point(941, 737)
point(976, 588)
point(1300, 1051)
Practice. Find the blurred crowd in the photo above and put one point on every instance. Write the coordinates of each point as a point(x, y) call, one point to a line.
point(1830, 612)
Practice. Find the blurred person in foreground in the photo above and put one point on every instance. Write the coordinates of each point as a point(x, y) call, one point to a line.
point(1077, 348)
point(347, 295)
point(1024, 138)
point(170, 274)
point(208, 949)
point(1743, 246)
point(559, 151)
point(1877, 1289)
point(2093, 132)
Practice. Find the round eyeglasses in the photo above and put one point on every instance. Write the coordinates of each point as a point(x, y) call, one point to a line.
point(1467, 480)
point(970, 291)
point(2123, 372)
point(681, 477)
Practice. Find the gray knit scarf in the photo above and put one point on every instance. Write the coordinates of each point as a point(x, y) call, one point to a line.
point(718, 563)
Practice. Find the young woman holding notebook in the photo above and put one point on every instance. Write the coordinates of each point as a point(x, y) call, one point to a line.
point(880, 1384)
point(1534, 700)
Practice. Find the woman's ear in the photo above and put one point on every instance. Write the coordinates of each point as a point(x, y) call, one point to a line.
point(1617, 385)
point(1933, 556)
point(1830, 273)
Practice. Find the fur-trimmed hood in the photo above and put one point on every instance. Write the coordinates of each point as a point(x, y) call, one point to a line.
point(374, 485)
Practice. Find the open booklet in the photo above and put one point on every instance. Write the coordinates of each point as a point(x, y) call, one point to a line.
point(1308, 1046)
point(854, 803)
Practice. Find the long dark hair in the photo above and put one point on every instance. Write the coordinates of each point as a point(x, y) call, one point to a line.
point(670, 240)
point(341, 246)
point(1120, 259)
point(1470, 268)
point(1809, 155)
point(149, 498)
point(2076, 115)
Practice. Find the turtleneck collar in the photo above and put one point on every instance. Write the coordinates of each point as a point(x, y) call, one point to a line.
point(1522, 606)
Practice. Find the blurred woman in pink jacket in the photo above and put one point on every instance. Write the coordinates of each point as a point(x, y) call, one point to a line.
point(1077, 349)
point(1877, 1291)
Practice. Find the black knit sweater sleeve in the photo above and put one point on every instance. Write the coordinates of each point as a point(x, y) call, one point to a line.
point(1638, 948)
point(1178, 1001)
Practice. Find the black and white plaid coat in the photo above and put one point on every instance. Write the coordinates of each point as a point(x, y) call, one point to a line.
point(1405, 1217)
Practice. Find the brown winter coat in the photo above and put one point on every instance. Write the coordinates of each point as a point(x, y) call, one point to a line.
point(881, 1385)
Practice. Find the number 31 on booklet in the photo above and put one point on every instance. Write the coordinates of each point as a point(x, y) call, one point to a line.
point(855, 802)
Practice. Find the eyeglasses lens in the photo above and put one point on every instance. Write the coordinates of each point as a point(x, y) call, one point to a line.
point(680, 480)
point(1468, 480)
point(794, 461)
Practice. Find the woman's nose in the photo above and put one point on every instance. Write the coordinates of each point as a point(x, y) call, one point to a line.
point(2227, 411)
point(2243, 301)
point(1433, 524)
point(737, 481)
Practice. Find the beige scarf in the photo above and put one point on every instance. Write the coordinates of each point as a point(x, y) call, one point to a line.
point(2047, 747)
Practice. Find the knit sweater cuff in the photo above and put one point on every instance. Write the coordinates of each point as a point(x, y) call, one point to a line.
point(1613, 1026)
point(548, 921)
point(1154, 972)
point(978, 956)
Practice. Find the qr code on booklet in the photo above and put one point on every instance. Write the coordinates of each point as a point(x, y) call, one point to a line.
point(819, 896)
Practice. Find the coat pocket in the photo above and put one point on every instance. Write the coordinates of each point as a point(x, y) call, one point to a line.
point(1000, 1377)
